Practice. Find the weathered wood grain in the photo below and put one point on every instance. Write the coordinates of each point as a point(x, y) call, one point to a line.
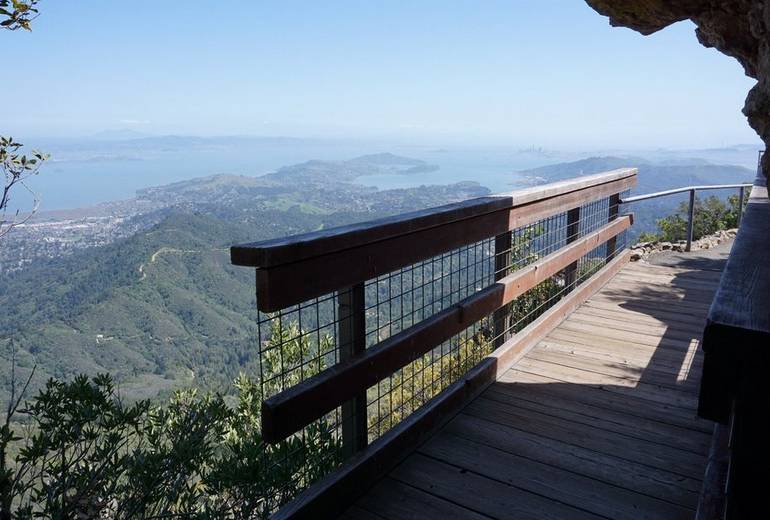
point(551, 386)
point(743, 297)
point(616, 420)
point(669, 362)
point(331, 495)
point(592, 420)
point(712, 500)
point(620, 385)
point(658, 376)
point(601, 467)
point(549, 481)
point(487, 496)
point(596, 439)
point(395, 500)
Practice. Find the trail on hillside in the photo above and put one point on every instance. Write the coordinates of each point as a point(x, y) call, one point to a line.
point(171, 250)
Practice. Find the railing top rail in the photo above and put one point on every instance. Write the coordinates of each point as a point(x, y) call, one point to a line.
point(294, 408)
point(737, 333)
point(684, 189)
point(380, 331)
point(279, 251)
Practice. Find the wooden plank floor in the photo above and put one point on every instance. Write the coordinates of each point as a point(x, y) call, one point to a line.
point(597, 421)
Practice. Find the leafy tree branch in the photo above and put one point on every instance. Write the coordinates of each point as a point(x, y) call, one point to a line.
point(17, 169)
point(16, 14)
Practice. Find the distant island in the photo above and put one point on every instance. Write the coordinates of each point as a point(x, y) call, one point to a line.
point(352, 169)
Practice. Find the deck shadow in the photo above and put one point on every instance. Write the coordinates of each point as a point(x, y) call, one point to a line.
point(589, 424)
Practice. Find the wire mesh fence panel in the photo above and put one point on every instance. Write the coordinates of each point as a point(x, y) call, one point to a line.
point(413, 293)
point(303, 340)
point(294, 344)
point(452, 277)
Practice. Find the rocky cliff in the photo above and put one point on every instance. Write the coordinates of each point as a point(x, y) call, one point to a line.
point(738, 28)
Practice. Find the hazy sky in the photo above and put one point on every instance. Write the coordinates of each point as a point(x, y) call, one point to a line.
point(545, 72)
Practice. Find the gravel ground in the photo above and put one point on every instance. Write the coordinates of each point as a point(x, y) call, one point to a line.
point(713, 259)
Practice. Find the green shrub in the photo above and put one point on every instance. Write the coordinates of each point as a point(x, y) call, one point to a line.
point(87, 454)
point(712, 214)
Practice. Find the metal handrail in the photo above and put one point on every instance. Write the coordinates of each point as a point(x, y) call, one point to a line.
point(691, 209)
point(683, 190)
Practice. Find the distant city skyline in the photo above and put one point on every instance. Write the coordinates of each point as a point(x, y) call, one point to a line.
point(548, 73)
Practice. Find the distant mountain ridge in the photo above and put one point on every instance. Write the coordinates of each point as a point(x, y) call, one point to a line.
point(386, 159)
point(119, 134)
point(653, 176)
point(350, 170)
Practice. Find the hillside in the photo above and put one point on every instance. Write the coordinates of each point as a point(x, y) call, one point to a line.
point(350, 170)
point(653, 176)
point(163, 308)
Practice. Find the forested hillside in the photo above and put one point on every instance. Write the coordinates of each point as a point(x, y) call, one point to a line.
point(164, 308)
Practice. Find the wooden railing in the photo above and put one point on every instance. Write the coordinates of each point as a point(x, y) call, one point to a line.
point(734, 387)
point(558, 241)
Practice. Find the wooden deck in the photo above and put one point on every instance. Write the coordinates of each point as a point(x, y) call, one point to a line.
point(597, 421)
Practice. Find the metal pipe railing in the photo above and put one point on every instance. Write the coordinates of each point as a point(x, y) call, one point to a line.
point(691, 208)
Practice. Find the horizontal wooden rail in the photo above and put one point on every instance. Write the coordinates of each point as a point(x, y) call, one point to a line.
point(296, 407)
point(290, 249)
point(334, 493)
point(295, 269)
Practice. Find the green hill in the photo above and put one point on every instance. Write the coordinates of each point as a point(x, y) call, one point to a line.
point(164, 308)
point(158, 309)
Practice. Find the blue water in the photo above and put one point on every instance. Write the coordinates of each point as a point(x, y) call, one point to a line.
point(498, 170)
point(81, 178)
point(83, 174)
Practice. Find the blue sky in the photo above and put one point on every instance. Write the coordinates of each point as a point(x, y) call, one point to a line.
point(551, 73)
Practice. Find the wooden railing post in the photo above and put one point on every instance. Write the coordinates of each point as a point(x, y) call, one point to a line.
point(690, 220)
point(614, 209)
point(746, 495)
point(295, 269)
point(503, 260)
point(291, 410)
point(573, 230)
point(352, 340)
